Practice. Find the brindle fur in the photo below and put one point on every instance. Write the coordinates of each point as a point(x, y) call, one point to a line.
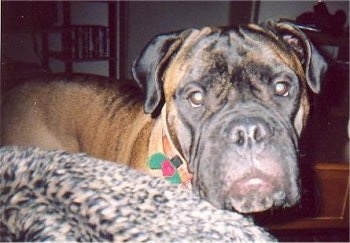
point(240, 144)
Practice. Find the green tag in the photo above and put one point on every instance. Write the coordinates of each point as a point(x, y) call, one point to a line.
point(175, 179)
point(155, 161)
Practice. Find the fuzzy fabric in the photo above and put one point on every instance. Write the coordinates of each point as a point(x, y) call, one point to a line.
point(58, 196)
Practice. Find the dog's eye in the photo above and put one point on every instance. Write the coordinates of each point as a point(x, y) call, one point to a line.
point(196, 99)
point(282, 88)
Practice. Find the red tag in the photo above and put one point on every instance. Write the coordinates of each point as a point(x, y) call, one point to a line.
point(167, 168)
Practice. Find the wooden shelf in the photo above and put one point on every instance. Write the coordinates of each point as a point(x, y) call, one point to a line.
point(89, 43)
point(333, 181)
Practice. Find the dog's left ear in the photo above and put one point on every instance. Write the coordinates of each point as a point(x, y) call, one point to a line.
point(149, 67)
point(313, 63)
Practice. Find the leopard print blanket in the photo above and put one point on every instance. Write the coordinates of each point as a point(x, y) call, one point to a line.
point(57, 196)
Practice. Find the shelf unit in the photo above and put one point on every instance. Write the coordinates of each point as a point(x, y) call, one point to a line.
point(89, 43)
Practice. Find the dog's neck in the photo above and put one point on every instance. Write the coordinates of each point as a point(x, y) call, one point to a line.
point(164, 159)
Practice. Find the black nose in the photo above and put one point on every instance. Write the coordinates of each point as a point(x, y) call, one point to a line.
point(248, 132)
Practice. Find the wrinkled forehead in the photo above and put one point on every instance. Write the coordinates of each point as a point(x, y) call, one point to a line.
point(222, 52)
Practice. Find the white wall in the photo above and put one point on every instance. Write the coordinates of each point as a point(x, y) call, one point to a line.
point(292, 9)
point(147, 19)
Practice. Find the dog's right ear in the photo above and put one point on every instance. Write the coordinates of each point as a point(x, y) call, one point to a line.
point(313, 63)
point(149, 67)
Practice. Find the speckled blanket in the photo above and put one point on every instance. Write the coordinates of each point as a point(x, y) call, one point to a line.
point(57, 196)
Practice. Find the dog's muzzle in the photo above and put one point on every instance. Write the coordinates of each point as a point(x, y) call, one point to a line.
point(248, 163)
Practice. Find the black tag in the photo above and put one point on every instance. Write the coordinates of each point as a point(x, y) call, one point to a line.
point(176, 161)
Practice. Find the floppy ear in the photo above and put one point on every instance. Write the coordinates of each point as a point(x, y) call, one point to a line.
point(313, 63)
point(149, 67)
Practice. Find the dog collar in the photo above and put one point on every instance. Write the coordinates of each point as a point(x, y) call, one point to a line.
point(172, 166)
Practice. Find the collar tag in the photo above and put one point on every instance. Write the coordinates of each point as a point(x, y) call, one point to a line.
point(174, 170)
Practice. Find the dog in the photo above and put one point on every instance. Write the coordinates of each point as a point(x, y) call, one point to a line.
point(220, 110)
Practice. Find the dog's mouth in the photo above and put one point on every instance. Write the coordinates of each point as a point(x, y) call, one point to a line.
point(249, 184)
point(254, 193)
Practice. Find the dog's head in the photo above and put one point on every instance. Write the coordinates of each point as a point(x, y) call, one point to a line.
point(236, 102)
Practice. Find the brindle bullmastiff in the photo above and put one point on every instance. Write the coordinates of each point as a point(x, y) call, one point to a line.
point(227, 103)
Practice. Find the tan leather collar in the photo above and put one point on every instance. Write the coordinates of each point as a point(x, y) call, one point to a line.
point(160, 143)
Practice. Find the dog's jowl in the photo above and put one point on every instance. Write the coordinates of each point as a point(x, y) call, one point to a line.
point(223, 109)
